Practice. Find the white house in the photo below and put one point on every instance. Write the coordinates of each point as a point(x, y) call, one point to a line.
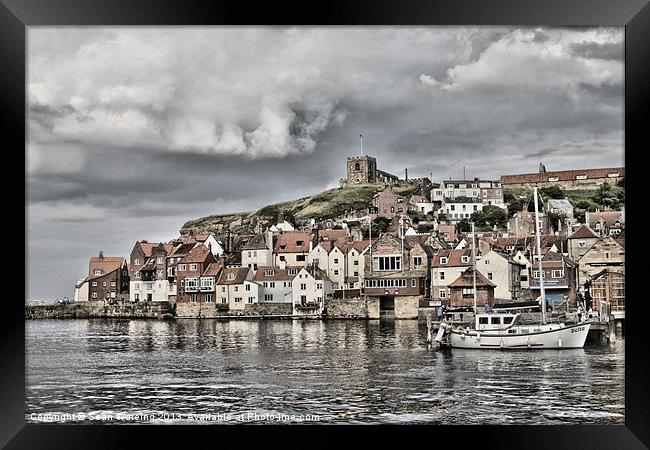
point(236, 288)
point(309, 290)
point(210, 241)
point(460, 208)
point(282, 227)
point(503, 272)
point(292, 248)
point(81, 290)
point(258, 252)
point(275, 283)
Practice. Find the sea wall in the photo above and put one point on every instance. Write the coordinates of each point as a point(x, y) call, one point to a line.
point(140, 310)
point(213, 310)
point(352, 308)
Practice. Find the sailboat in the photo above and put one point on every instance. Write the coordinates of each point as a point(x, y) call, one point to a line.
point(504, 330)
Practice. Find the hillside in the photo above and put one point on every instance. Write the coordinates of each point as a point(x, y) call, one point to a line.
point(325, 205)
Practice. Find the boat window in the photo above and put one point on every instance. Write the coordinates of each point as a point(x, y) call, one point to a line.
point(524, 330)
point(512, 331)
point(483, 320)
point(507, 320)
point(495, 320)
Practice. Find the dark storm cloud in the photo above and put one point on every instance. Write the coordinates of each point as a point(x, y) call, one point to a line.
point(612, 51)
point(132, 132)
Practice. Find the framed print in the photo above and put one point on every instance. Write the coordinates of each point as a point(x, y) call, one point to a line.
point(414, 216)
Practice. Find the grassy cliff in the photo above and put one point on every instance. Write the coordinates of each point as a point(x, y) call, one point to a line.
point(325, 205)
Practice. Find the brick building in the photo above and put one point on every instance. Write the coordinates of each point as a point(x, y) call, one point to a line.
point(586, 178)
point(108, 277)
point(462, 290)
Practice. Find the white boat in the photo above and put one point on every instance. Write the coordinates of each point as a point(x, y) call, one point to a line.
point(503, 330)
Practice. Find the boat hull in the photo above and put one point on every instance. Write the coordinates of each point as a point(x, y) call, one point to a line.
point(572, 336)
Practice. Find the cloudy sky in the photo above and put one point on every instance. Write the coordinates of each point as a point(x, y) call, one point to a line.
point(133, 131)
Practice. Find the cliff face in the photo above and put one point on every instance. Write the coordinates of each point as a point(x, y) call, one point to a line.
point(325, 205)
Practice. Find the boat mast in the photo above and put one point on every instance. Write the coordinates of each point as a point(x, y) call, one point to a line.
point(539, 258)
point(474, 263)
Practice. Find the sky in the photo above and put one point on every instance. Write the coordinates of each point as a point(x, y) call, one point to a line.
point(134, 131)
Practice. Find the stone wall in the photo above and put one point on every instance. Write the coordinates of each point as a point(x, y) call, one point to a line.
point(406, 307)
point(352, 308)
point(141, 310)
point(211, 310)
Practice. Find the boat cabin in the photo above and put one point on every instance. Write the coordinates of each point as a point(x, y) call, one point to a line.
point(495, 321)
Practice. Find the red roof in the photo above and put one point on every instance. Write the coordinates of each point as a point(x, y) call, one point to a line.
point(562, 175)
point(278, 274)
point(454, 258)
point(106, 264)
point(288, 242)
point(583, 232)
point(197, 255)
point(233, 275)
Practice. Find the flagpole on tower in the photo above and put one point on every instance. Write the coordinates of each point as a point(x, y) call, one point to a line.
point(361, 139)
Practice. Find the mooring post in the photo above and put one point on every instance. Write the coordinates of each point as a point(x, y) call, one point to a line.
point(429, 336)
point(612, 329)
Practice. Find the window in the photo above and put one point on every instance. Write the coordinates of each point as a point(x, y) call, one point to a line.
point(237, 288)
point(336, 260)
point(192, 298)
point(269, 272)
point(582, 244)
point(160, 272)
point(237, 299)
point(223, 288)
point(443, 260)
point(272, 284)
point(612, 175)
point(414, 282)
point(137, 297)
point(581, 177)
point(248, 287)
point(536, 274)
point(356, 274)
point(268, 297)
point(303, 287)
point(207, 283)
point(417, 261)
point(606, 255)
point(336, 272)
point(208, 298)
point(507, 320)
point(300, 243)
point(468, 292)
point(301, 258)
point(387, 263)
point(442, 293)
point(112, 283)
point(483, 320)
point(303, 298)
point(524, 278)
point(137, 286)
point(181, 267)
point(266, 284)
point(224, 300)
point(553, 178)
point(441, 275)
point(356, 262)
point(293, 271)
point(231, 276)
point(251, 300)
point(495, 320)
point(94, 284)
point(136, 261)
point(319, 285)
point(191, 283)
point(97, 272)
point(192, 266)
point(464, 259)
point(160, 260)
point(489, 275)
point(557, 274)
point(94, 295)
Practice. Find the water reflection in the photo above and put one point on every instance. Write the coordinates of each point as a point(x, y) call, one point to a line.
point(351, 371)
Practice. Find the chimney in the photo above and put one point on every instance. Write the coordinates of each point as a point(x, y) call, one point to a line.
point(283, 265)
point(406, 174)
point(101, 254)
point(269, 239)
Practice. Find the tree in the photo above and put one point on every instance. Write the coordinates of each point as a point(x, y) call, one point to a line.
point(463, 226)
point(490, 216)
point(379, 225)
point(554, 192)
point(554, 219)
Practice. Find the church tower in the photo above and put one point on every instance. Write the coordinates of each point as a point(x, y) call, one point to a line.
point(361, 170)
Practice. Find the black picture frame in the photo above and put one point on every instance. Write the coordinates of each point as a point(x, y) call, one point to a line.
point(634, 15)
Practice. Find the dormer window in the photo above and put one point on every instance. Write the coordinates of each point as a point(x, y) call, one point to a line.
point(283, 246)
point(444, 260)
point(464, 259)
point(300, 243)
point(581, 177)
point(269, 273)
point(293, 271)
point(553, 178)
point(97, 272)
point(231, 276)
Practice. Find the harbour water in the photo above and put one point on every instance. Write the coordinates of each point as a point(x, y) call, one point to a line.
point(266, 371)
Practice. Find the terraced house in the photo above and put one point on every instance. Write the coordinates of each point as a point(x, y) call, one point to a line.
point(148, 272)
point(236, 288)
point(446, 266)
point(392, 277)
point(292, 248)
point(193, 285)
point(108, 278)
point(275, 283)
